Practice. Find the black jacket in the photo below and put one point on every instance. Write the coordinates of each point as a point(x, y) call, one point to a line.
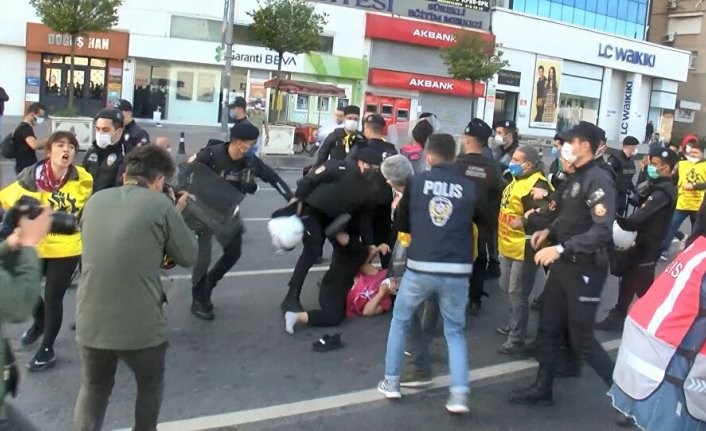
point(105, 165)
point(383, 192)
point(338, 144)
point(483, 171)
point(624, 168)
point(133, 136)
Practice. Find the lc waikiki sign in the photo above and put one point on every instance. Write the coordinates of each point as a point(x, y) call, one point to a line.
point(626, 55)
point(627, 104)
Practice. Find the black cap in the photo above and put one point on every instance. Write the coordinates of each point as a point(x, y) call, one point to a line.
point(478, 129)
point(375, 119)
point(630, 140)
point(666, 155)
point(507, 124)
point(558, 137)
point(111, 114)
point(603, 136)
point(239, 102)
point(123, 105)
point(370, 156)
point(587, 131)
point(245, 131)
point(421, 131)
point(426, 115)
point(351, 110)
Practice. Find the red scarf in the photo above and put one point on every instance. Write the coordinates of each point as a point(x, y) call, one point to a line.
point(46, 181)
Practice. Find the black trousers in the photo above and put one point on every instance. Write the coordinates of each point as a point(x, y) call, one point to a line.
point(382, 231)
point(49, 312)
point(480, 267)
point(571, 297)
point(203, 280)
point(15, 421)
point(337, 282)
point(636, 280)
point(621, 205)
point(314, 223)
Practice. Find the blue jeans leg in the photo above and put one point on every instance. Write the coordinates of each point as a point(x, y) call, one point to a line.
point(677, 220)
point(414, 289)
point(452, 295)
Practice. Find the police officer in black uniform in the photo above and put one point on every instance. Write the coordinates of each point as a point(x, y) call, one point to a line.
point(332, 190)
point(655, 208)
point(342, 140)
point(483, 170)
point(623, 165)
point(232, 162)
point(582, 233)
point(133, 135)
point(105, 157)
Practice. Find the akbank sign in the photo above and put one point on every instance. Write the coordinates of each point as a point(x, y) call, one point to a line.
point(626, 55)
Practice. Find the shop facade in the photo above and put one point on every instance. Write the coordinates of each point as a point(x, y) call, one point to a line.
point(98, 68)
point(551, 84)
point(408, 76)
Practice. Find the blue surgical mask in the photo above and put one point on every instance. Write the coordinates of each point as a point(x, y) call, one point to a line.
point(652, 172)
point(515, 169)
point(231, 115)
point(555, 153)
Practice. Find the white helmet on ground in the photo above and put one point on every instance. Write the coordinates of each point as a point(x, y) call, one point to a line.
point(286, 232)
point(623, 239)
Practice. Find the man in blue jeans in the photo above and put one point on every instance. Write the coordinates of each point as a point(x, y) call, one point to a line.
point(437, 210)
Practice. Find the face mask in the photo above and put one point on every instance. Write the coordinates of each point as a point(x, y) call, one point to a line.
point(499, 139)
point(652, 172)
point(567, 153)
point(555, 152)
point(104, 140)
point(693, 159)
point(39, 120)
point(231, 115)
point(515, 169)
point(351, 125)
point(369, 174)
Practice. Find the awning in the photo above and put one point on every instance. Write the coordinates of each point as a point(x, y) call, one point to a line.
point(306, 88)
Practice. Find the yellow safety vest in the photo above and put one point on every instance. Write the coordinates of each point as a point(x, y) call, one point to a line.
point(694, 173)
point(511, 242)
point(70, 198)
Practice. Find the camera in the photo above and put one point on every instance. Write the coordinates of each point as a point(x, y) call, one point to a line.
point(62, 223)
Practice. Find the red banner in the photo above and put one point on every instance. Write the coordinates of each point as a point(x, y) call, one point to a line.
point(424, 83)
point(416, 32)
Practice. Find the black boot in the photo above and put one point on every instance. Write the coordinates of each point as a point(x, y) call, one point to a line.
point(613, 322)
point(201, 310)
point(291, 301)
point(540, 393)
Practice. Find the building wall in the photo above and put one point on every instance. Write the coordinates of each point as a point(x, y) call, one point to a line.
point(14, 59)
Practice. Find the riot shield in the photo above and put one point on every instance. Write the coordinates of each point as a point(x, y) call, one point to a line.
point(215, 206)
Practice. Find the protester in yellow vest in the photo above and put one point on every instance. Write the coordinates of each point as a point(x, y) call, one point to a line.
point(691, 186)
point(58, 183)
point(515, 227)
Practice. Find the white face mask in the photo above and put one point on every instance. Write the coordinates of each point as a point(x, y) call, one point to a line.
point(499, 139)
point(40, 120)
point(104, 140)
point(693, 159)
point(567, 153)
point(351, 125)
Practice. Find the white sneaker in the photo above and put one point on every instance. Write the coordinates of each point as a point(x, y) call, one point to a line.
point(290, 319)
point(457, 403)
point(390, 389)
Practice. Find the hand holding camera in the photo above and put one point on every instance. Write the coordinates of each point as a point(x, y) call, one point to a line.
point(30, 232)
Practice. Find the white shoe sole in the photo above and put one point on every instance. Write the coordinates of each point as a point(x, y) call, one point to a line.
point(390, 395)
point(458, 409)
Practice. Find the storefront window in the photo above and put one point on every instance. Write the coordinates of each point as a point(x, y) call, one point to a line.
point(89, 83)
point(324, 104)
point(151, 89)
point(574, 109)
point(302, 102)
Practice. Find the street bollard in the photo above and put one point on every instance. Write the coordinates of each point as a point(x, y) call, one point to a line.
point(182, 144)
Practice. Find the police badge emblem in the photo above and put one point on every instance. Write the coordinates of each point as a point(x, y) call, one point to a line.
point(440, 210)
point(111, 159)
point(599, 210)
point(127, 137)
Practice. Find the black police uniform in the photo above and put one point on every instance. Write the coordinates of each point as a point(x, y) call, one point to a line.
point(241, 175)
point(105, 165)
point(624, 168)
point(338, 144)
point(573, 289)
point(134, 136)
point(333, 189)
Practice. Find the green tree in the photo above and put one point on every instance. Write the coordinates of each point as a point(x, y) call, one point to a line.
point(473, 59)
point(291, 26)
point(77, 18)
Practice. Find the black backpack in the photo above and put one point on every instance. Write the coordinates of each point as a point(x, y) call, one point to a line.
point(7, 146)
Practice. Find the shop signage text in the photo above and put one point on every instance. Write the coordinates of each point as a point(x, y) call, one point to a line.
point(464, 13)
point(424, 83)
point(382, 27)
point(626, 55)
point(287, 60)
point(509, 77)
point(625, 120)
point(99, 43)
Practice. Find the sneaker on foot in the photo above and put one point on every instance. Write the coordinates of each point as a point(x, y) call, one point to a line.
point(42, 360)
point(200, 310)
point(31, 335)
point(474, 308)
point(664, 257)
point(516, 350)
point(390, 389)
point(290, 319)
point(416, 379)
point(505, 330)
point(457, 403)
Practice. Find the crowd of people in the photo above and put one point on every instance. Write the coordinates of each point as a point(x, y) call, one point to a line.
point(417, 229)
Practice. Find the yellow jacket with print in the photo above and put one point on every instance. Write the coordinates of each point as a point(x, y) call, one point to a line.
point(70, 198)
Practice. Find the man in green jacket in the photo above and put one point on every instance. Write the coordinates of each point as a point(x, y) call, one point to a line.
point(127, 232)
point(19, 288)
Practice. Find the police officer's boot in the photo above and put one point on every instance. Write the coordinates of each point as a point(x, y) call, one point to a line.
point(291, 301)
point(540, 393)
point(201, 306)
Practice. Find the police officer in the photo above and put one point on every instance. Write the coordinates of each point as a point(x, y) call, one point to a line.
point(232, 162)
point(623, 165)
point(341, 141)
point(506, 141)
point(236, 111)
point(133, 135)
point(582, 233)
point(484, 172)
point(651, 221)
point(328, 192)
point(105, 157)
